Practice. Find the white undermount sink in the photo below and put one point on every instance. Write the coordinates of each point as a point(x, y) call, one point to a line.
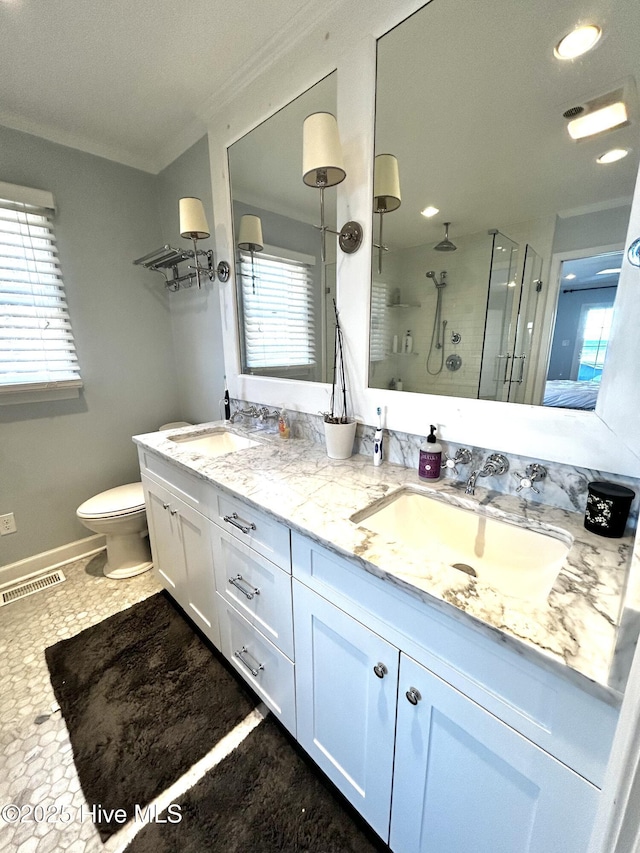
point(514, 560)
point(216, 442)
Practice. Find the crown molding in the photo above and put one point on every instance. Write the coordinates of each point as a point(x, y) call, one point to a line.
point(307, 17)
point(81, 143)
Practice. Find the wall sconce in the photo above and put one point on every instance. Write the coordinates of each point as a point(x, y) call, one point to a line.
point(194, 226)
point(250, 239)
point(386, 194)
point(322, 167)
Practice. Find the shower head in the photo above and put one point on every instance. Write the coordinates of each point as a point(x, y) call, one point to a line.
point(445, 245)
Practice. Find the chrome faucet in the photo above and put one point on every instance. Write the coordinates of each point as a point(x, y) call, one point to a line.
point(496, 464)
point(251, 412)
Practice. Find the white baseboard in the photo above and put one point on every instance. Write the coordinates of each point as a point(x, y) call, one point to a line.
point(24, 569)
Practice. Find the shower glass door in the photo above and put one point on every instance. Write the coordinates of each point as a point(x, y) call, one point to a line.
point(503, 302)
point(520, 390)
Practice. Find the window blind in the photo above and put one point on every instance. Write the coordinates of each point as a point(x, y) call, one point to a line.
point(378, 345)
point(37, 350)
point(278, 311)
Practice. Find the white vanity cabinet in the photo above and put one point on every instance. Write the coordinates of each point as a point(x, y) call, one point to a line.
point(444, 737)
point(463, 777)
point(465, 781)
point(229, 567)
point(180, 539)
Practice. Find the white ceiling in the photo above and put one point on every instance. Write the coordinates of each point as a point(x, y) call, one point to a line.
point(134, 80)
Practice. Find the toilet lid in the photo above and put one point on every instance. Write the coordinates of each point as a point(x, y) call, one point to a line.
point(119, 501)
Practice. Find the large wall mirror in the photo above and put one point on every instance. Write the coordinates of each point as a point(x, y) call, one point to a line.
point(284, 290)
point(513, 299)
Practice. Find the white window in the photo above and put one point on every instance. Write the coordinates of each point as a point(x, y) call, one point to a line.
point(379, 343)
point(37, 353)
point(278, 310)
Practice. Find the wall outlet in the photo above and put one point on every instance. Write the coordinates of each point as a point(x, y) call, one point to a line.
point(7, 524)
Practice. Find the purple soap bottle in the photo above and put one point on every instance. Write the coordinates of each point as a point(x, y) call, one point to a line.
point(430, 457)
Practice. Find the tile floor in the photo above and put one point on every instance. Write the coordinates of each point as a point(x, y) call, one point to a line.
point(36, 765)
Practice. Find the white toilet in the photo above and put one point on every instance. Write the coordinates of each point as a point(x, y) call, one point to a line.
point(120, 514)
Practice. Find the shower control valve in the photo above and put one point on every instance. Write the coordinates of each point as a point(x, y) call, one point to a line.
point(462, 457)
point(532, 474)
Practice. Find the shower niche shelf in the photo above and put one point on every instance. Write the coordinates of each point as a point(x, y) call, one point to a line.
point(404, 305)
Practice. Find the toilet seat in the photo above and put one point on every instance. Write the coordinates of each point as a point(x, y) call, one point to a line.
point(121, 501)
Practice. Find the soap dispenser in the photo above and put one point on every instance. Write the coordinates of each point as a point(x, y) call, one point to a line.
point(430, 457)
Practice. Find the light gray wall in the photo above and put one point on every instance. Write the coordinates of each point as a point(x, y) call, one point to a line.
point(55, 455)
point(195, 314)
point(602, 228)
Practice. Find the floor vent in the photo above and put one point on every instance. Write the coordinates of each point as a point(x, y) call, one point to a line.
point(21, 590)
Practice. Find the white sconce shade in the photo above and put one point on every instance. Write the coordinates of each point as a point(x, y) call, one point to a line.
point(193, 222)
point(250, 234)
point(322, 164)
point(386, 184)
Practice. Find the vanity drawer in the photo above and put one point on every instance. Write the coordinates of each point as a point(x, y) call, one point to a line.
point(268, 537)
point(256, 587)
point(259, 662)
point(189, 488)
point(571, 724)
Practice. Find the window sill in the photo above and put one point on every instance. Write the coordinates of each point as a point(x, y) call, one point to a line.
point(11, 397)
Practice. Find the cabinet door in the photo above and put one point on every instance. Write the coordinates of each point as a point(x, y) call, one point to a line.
point(167, 565)
point(345, 711)
point(465, 782)
point(182, 557)
point(193, 535)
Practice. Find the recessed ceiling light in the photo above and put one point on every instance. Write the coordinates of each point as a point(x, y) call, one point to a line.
point(613, 155)
point(598, 121)
point(570, 276)
point(429, 211)
point(577, 42)
point(609, 272)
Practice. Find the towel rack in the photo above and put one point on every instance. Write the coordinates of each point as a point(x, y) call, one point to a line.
point(166, 260)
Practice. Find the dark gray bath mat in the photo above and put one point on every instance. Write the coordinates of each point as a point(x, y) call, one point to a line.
point(143, 698)
point(262, 798)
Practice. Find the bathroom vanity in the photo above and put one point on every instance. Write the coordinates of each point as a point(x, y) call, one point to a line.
point(452, 716)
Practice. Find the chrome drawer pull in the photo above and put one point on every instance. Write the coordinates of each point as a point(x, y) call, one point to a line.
point(413, 695)
point(236, 521)
point(234, 582)
point(254, 672)
point(380, 670)
point(165, 506)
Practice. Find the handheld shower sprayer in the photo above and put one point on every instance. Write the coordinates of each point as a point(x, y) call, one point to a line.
point(443, 278)
point(437, 338)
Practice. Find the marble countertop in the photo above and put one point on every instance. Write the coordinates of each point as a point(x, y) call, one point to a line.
point(575, 631)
